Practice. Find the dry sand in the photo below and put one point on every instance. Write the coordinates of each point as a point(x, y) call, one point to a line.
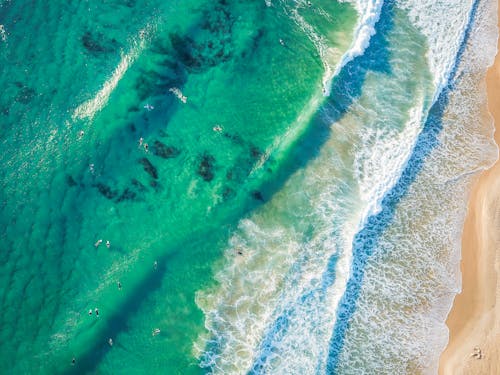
point(474, 320)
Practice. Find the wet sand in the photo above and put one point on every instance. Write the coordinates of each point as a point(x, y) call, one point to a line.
point(474, 321)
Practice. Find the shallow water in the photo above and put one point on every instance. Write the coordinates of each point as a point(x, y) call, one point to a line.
point(253, 229)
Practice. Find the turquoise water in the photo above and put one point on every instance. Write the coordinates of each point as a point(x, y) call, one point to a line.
point(252, 164)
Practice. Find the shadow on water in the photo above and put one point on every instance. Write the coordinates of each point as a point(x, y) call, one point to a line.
point(113, 325)
point(366, 240)
point(346, 88)
point(181, 56)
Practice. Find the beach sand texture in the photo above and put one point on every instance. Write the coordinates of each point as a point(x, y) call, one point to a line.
point(474, 321)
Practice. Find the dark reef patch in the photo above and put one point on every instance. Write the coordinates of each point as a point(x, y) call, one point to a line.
point(208, 45)
point(138, 185)
point(127, 194)
point(257, 195)
point(163, 151)
point(255, 152)
point(149, 168)
point(206, 167)
point(70, 180)
point(98, 43)
point(25, 95)
point(106, 191)
point(228, 193)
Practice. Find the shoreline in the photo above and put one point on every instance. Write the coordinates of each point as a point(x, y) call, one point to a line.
point(474, 319)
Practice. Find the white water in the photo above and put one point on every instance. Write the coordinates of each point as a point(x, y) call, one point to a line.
point(277, 262)
point(409, 284)
point(89, 108)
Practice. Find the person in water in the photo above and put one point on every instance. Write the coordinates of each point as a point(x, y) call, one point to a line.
point(108, 244)
point(96, 311)
point(119, 285)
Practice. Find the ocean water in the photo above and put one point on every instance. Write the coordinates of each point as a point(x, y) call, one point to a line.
point(282, 183)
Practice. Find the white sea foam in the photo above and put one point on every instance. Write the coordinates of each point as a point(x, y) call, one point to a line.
point(410, 282)
point(369, 14)
point(382, 156)
point(444, 24)
point(274, 306)
point(89, 108)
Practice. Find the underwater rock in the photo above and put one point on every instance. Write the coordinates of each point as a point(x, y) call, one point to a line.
point(163, 151)
point(127, 195)
point(70, 180)
point(90, 44)
point(140, 187)
point(149, 168)
point(94, 44)
point(228, 193)
point(106, 190)
point(205, 169)
point(255, 152)
point(235, 138)
point(25, 95)
point(257, 195)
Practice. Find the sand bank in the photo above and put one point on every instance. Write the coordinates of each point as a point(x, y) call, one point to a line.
point(474, 321)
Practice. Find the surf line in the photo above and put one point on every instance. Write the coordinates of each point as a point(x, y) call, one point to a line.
point(368, 237)
point(89, 108)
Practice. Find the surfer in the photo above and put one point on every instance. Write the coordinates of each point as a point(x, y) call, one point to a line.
point(90, 312)
point(110, 341)
point(73, 361)
point(217, 128)
point(155, 265)
point(146, 147)
point(282, 42)
point(108, 244)
point(80, 134)
point(97, 243)
point(96, 311)
point(119, 285)
point(141, 140)
point(156, 331)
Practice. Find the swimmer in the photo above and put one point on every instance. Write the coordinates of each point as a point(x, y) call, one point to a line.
point(90, 312)
point(73, 361)
point(108, 244)
point(110, 342)
point(80, 134)
point(146, 147)
point(96, 311)
point(98, 243)
point(282, 42)
point(119, 285)
point(309, 3)
point(149, 107)
point(156, 331)
point(91, 168)
point(155, 265)
point(217, 128)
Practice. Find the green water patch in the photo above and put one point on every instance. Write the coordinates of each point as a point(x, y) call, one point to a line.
point(174, 204)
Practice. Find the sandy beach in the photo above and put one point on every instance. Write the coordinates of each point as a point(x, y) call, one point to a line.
point(474, 321)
